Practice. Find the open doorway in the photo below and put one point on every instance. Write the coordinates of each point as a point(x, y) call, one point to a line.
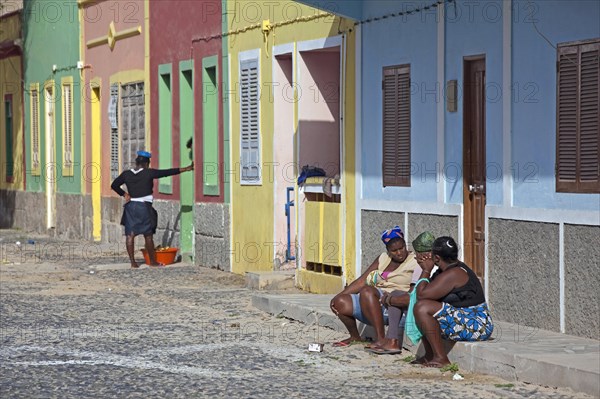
point(319, 147)
point(50, 167)
point(285, 167)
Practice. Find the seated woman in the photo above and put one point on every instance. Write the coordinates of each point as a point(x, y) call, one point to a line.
point(451, 306)
point(397, 301)
point(392, 270)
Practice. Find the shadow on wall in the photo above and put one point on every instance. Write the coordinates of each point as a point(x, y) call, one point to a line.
point(169, 234)
point(320, 145)
point(7, 208)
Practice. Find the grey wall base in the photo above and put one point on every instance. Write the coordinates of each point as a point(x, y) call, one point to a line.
point(373, 223)
point(524, 267)
point(74, 220)
point(23, 210)
point(212, 238)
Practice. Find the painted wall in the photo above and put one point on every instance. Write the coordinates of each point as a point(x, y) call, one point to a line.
point(51, 37)
point(284, 152)
point(196, 21)
point(11, 73)
point(533, 96)
point(534, 102)
point(350, 9)
point(462, 20)
point(253, 205)
point(123, 63)
point(397, 41)
point(319, 110)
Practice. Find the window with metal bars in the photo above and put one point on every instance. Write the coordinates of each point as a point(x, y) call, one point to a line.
point(133, 126)
point(114, 130)
point(577, 117)
point(396, 126)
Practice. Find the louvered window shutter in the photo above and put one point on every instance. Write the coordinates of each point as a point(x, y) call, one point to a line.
point(35, 129)
point(8, 130)
point(68, 125)
point(114, 131)
point(578, 124)
point(396, 126)
point(249, 122)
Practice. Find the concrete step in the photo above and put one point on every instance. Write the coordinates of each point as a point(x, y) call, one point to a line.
point(275, 280)
point(515, 352)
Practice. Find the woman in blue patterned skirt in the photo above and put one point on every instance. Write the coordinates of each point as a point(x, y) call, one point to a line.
point(451, 305)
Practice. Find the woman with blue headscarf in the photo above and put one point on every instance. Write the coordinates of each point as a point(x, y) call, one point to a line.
point(391, 271)
point(139, 217)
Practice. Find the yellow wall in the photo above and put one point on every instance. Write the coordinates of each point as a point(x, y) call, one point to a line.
point(11, 78)
point(252, 207)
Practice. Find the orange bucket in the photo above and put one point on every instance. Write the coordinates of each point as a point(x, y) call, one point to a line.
point(166, 256)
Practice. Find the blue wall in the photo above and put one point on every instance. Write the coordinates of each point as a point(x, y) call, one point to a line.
point(534, 104)
point(474, 28)
point(401, 40)
point(345, 8)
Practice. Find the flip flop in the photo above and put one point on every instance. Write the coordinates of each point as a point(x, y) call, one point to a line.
point(419, 362)
point(340, 344)
point(381, 351)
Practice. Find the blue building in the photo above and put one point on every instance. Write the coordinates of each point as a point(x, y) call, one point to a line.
point(480, 120)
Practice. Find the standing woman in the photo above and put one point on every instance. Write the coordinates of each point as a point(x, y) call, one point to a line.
point(451, 306)
point(139, 217)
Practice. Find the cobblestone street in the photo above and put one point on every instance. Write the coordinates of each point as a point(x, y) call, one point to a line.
point(69, 331)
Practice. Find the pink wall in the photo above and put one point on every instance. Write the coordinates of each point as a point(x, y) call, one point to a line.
point(127, 54)
point(175, 23)
point(283, 134)
point(319, 109)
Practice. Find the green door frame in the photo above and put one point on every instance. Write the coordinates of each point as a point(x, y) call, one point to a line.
point(210, 126)
point(186, 155)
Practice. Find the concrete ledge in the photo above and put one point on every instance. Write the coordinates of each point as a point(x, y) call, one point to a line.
point(279, 280)
point(515, 352)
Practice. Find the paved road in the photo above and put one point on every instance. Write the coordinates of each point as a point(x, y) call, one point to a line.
point(181, 332)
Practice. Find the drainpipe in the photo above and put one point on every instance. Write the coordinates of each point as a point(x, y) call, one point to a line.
point(288, 204)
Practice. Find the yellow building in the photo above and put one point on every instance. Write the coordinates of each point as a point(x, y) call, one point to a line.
point(291, 104)
point(11, 111)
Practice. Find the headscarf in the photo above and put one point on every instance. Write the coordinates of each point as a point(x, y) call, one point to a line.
point(388, 235)
point(423, 242)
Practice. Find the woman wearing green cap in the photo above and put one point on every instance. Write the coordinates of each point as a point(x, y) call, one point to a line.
point(139, 217)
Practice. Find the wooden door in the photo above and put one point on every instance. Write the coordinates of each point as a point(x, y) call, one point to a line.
point(474, 163)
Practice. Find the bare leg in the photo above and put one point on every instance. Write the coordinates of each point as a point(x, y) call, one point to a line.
point(149, 241)
point(424, 311)
point(129, 244)
point(343, 304)
point(369, 303)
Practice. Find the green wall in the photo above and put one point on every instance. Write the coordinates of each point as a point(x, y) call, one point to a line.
point(51, 37)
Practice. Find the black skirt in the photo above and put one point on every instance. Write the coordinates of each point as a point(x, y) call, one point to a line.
point(139, 218)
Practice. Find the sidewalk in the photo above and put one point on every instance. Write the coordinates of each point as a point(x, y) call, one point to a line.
point(515, 353)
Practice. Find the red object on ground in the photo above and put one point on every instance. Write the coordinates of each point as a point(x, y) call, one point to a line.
point(165, 256)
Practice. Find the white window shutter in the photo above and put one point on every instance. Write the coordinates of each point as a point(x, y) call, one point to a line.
point(68, 128)
point(249, 122)
point(35, 129)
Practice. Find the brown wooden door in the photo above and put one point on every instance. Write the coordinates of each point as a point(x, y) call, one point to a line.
point(474, 163)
